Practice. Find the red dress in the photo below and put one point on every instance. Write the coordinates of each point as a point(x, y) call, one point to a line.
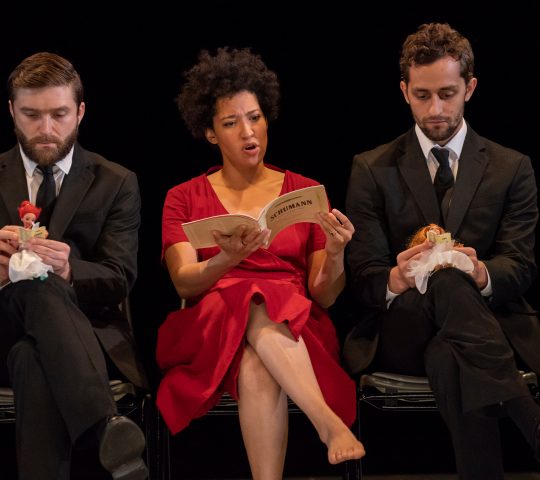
point(199, 348)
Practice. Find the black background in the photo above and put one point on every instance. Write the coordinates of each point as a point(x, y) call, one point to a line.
point(338, 67)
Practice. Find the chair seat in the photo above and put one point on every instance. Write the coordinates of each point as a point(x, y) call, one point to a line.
point(393, 383)
point(228, 406)
point(6, 396)
point(391, 391)
point(120, 390)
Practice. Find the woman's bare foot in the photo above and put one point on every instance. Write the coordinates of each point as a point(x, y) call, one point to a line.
point(343, 446)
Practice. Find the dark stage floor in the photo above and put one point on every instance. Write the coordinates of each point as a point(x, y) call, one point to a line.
point(405, 446)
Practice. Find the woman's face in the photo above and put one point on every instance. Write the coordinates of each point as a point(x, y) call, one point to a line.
point(239, 130)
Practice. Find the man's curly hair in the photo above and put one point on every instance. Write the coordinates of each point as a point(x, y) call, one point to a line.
point(433, 41)
point(223, 75)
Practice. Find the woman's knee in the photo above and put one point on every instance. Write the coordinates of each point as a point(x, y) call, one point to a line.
point(259, 324)
point(253, 375)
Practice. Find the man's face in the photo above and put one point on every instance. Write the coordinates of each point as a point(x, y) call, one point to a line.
point(437, 94)
point(46, 122)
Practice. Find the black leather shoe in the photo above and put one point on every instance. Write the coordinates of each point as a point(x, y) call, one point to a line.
point(120, 449)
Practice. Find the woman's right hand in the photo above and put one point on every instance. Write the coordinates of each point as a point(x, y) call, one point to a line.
point(243, 242)
point(192, 277)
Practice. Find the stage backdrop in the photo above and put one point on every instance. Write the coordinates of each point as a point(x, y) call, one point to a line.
point(338, 66)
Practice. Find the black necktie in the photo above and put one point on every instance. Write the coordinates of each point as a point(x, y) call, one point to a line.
point(444, 179)
point(46, 194)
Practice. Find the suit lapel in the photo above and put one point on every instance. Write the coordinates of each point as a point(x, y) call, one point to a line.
point(472, 165)
point(413, 168)
point(13, 186)
point(74, 188)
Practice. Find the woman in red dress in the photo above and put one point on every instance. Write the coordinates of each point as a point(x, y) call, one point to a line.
point(256, 324)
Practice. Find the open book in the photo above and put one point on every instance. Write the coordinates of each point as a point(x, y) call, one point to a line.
point(297, 206)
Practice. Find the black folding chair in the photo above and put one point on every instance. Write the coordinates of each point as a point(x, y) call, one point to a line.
point(390, 392)
point(227, 406)
point(131, 401)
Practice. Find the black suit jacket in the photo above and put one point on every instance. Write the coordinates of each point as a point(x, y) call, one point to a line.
point(97, 212)
point(493, 209)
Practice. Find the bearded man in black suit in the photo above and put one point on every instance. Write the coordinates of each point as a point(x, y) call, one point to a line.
point(57, 364)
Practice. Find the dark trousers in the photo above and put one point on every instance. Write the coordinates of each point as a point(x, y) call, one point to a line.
point(450, 335)
point(58, 373)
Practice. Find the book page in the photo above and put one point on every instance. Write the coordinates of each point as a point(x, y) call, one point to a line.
point(199, 232)
point(294, 207)
point(297, 206)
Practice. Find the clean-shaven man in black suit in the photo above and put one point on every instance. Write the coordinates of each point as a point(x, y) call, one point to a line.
point(467, 332)
point(56, 362)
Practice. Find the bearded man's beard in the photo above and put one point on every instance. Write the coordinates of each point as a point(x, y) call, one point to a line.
point(440, 134)
point(48, 156)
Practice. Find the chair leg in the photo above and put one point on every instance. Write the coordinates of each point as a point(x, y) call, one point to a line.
point(164, 446)
point(157, 442)
point(353, 470)
point(359, 475)
point(150, 432)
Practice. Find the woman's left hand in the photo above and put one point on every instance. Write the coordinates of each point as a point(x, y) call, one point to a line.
point(337, 228)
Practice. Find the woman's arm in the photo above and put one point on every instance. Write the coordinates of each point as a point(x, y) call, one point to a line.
point(326, 273)
point(326, 277)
